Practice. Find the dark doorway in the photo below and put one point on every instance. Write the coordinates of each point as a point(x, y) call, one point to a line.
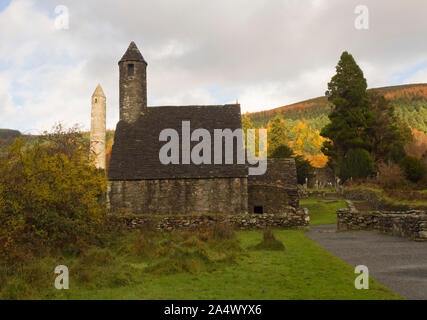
point(258, 209)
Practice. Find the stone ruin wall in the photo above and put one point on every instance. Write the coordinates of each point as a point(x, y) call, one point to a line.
point(276, 191)
point(180, 196)
point(410, 224)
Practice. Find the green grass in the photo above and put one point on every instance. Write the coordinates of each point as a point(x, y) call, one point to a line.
point(304, 270)
point(381, 194)
point(322, 211)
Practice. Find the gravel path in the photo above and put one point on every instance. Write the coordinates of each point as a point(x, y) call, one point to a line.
point(397, 263)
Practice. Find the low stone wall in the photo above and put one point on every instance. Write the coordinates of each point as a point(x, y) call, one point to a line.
point(409, 224)
point(298, 218)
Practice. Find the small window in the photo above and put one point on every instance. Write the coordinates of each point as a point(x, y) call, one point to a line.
point(131, 70)
point(258, 209)
point(96, 100)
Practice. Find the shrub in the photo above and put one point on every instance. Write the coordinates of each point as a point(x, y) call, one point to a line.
point(282, 151)
point(357, 164)
point(414, 168)
point(49, 201)
point(304, 169)
point(397, 153)
point(390, 175)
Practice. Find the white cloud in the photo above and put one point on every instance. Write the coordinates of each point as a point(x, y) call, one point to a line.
point(266, 53)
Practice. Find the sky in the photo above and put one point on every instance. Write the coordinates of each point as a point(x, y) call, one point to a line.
point(261, 53)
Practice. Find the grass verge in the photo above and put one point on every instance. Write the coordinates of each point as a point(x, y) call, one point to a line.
point(303, 271)
point(322, 211)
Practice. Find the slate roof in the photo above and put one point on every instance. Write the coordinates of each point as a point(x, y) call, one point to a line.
point(135, 153)
point(132, 54)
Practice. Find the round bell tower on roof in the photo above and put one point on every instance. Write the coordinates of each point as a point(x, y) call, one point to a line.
point(133, 85)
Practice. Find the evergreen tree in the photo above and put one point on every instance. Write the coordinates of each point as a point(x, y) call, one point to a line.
point(351, 120)
point(276, 134)
point(389, 132)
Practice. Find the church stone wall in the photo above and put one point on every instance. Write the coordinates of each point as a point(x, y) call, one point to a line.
point(180, 196)
point(275, 191)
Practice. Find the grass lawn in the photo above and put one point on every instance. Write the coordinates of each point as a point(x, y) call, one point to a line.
point(304, 270)
point(322, 211)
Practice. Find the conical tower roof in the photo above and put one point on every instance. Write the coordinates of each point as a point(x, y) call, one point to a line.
point(98, 92)
point(132, 54)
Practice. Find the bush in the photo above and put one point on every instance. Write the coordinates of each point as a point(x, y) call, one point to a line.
point(49, 201)
point(282, 151)
point(397, 153)
point(390, 175)
point(304, 169)
point(357, 164)
point(414, 168)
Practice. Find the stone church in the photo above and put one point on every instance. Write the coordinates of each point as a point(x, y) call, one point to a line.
point(141, 184)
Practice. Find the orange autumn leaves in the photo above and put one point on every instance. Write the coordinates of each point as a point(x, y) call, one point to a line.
point(308, 143)
point(301, 138)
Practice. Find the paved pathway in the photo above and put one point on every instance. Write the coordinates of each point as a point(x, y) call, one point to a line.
point(397, 263)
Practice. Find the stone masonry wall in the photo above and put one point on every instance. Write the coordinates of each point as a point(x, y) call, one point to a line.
point(180, 196)
point(273, 199)
point(410, 224)
point(197, 222)
point(276, 190)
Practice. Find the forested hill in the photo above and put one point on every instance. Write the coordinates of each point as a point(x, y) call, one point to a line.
point(410, 102)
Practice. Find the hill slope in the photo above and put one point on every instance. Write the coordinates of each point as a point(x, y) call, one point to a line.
point(410, 102)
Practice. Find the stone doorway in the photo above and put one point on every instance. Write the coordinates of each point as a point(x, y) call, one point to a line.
point(258, 209)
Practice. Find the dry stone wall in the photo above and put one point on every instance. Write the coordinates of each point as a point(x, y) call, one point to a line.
point(296, 219)
point(408, 224)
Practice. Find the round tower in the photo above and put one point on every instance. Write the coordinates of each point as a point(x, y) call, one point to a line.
point(98, 128)
point(133, 84)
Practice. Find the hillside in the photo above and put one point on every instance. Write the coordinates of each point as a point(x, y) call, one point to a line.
point(410, 102)
point(305, 119)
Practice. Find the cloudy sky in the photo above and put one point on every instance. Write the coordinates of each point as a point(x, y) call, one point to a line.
point(263, 53)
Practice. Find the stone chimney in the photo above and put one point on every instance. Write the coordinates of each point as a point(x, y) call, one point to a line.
point(98, 127)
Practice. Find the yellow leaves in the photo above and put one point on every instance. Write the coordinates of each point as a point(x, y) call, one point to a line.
point(53, 197)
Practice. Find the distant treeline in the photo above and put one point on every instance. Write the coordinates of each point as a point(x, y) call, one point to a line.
point(409, 101)
point(9, 133)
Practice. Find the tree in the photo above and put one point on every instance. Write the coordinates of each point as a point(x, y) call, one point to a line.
point(414, 168)
point(351, 120)
point(282, 151)
point(357, 163)
point(65, 141)
point(276, 134)
point(247, 124)
point(389, 132)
